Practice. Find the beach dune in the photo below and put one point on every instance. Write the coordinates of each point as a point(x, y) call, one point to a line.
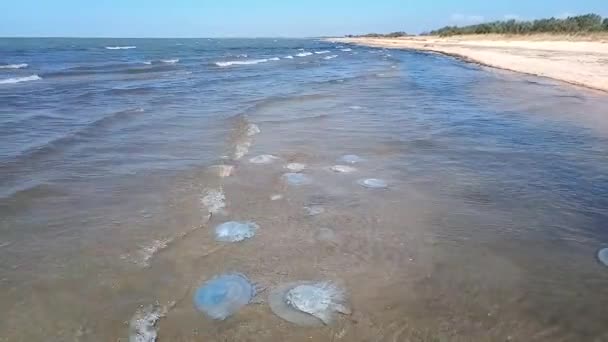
point(580, 61)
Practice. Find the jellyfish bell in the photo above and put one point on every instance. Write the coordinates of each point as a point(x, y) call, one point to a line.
point(234, 231)
point(224, 295)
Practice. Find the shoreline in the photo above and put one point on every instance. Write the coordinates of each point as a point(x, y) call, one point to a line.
point(581, 63)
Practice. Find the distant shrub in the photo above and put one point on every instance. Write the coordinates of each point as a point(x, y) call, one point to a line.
point(576, 24)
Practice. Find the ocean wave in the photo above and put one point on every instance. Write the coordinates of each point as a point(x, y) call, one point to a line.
point(347, 50)
point(246, 62)
point(60, 143)
point(288, 57)
point(330, 57)
point(20, 79)
point(120, 47)
point(170, 61)
point(304, 54)
point(14, 66)
point(321, 52)
point(274, 59)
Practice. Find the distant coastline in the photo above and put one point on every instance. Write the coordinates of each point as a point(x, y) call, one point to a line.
point(577, 60)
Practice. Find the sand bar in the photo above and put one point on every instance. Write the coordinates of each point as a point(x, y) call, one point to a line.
point(581, 61)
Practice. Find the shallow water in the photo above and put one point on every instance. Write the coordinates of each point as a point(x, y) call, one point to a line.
point(490, 228)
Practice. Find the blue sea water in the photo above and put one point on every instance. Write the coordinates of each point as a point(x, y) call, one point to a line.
point(497, 196)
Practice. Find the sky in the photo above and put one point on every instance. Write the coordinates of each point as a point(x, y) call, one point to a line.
point(265, 18)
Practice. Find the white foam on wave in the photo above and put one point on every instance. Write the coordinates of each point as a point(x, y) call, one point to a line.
point(288, 57)
point(243, 55)
point(14, 66)
point(170, 61)
point(252, 130)
point(304, 54)
point(142, 326)
point(214, 200)
point(330, 57)
point(274, 59)
point(246, 62)
point(20, 79)
point(241, 149)
point(347, 50)
point(120, 47)
point(147, 62)
point(145, 253)
point(321, 52)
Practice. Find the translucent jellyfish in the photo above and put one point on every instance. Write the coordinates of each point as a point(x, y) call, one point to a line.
point(343, 169)
point(308, 303)
point(224, 295)
point(297, 178)
point(350, 159)
point(314, 210)
point(235, 231)
point(295, 167)
point(373, 183)
point(263, 159)
point(602, 255)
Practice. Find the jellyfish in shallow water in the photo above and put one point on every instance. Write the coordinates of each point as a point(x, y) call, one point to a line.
point(235, 231)
point(314, 210)
point(373, 183)
point(602, 255)
point(343, 169)
point(308, 303)
point(224, 295)
point(295, 167)
point(297, 179)
point(263, 159)
point(350, 159)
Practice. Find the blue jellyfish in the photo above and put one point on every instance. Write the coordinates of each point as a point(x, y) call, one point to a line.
point(224, 295)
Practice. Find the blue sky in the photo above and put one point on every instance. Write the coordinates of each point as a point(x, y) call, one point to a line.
point(264, 18)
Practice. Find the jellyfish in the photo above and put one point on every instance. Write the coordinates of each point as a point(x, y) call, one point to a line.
point(297, 178)
point(343, 169)
point(224, 295)
point(295, 167)
point(233, 231)
point(308, 303)
point(602, 255)
point(373, 183)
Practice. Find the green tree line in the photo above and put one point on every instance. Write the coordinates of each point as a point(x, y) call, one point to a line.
point(575, 24)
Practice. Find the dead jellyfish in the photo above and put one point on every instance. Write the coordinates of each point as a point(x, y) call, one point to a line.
point(224, 295)
point(296, 178)
point(602, 255)
point(373, 183)
point(350, 159)
point(343, 169)
point(295, 167)
point(308, 303)
point(314, 210)
point(263, 159)
point(235, 231)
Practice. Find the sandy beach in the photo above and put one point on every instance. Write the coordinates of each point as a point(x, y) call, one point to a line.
point(582, 61)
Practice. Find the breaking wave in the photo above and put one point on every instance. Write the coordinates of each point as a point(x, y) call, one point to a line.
point(20, 79)
point(13, 66)
point(120, 47)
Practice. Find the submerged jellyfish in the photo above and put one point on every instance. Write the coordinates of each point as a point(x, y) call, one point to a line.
point(350, 159)
point(224, 295)
point(343, 169)
point(263, 159)
point(602, 255)
point(308, 303)
point(295, 167)
point(314, 210)
point(297, 178)
point(235, 231)
point(373, 183)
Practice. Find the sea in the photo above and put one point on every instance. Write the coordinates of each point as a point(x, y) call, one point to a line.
point(450, 201)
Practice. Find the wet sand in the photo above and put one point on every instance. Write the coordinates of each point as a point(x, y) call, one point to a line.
point(580, 62)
